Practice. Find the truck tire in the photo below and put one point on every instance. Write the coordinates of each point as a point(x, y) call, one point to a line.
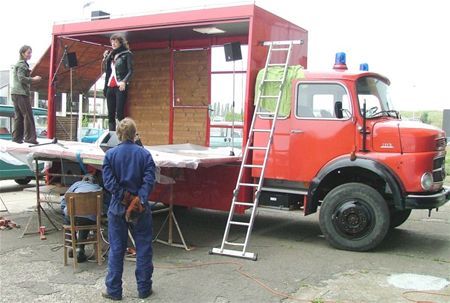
point(355, 217)
point(23, 181)
point(398, 217)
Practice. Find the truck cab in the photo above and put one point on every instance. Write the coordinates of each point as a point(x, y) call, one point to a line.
point(344, 148)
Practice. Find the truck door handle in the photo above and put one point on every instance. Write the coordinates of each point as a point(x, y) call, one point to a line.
point(296, 131)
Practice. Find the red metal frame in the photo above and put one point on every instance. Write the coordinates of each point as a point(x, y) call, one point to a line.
point(51, 114)
point(171, 97)
point(208, 121)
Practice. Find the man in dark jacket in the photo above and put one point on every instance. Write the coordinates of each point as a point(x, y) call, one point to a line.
point(129, 174)
point(24, 127)
point(118, 67)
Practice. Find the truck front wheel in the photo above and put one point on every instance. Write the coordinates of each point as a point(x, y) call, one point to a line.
point(354, 216)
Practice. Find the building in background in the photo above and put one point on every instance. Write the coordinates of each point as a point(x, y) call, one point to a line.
point(446, 123)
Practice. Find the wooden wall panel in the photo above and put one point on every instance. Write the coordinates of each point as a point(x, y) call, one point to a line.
point(149, 95)
point(191, 77)
point(191, 80)
point(190, 126)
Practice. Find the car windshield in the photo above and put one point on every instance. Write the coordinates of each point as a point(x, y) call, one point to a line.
point(374, 92)
point(40, 121)
point(92, 132)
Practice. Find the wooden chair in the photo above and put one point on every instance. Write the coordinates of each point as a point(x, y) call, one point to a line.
point(82, 204)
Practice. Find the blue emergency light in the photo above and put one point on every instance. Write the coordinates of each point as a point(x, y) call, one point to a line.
point(340, 58)
point(340, 61)
point(364, 67)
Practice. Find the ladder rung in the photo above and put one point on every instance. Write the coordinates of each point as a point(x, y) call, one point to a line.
point(261, 130)
point(234, 244)
point(253, 165)
point(269, 97)
point(273, 80)
point(248, 184)
point(280, 49)
point(244, 203)
point(257, 147)
point(234, 253)
point(265, 113)
point(276, 64)
point(240, 223)
point(285, 42)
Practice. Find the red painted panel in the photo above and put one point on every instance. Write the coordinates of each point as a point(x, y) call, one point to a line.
point(204, 187)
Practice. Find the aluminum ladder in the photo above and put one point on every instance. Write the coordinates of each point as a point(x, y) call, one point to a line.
point(279, 47)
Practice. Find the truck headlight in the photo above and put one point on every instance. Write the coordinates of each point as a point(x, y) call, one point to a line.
point(426, 181)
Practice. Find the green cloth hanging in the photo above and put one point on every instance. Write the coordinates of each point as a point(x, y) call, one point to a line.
point(271, 88)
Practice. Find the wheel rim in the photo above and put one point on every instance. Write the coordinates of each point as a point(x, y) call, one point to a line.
point(353, 219)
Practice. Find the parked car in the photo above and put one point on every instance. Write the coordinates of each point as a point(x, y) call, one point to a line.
point(90, 135)
point(22, 174)
point(220, 135)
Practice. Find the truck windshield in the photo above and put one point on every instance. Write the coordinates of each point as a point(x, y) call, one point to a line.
point(375, 93)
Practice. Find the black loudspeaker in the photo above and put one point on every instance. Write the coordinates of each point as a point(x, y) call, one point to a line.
point(70, 60)
point(232, 51)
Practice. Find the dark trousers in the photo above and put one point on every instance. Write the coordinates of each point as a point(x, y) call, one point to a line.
point(24, 128)
point(116, 103)
point(117, 236)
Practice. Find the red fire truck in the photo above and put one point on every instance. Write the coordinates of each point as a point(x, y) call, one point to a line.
point(345, 149)
point(338, 143)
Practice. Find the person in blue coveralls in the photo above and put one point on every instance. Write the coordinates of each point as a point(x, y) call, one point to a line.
point(129, 175)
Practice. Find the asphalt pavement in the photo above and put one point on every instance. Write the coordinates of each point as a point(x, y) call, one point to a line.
point(295, 263)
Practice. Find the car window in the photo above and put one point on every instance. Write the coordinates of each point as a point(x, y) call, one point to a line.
point(322, 100)
point(5, 125)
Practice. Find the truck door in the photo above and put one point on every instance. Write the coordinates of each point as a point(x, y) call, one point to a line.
point(321, 129)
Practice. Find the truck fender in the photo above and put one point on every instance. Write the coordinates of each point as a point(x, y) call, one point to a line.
point(385, 173)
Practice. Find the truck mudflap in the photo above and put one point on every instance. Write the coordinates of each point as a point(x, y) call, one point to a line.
point(427, 201)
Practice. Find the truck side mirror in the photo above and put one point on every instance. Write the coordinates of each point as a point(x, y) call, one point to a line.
point(338, 110)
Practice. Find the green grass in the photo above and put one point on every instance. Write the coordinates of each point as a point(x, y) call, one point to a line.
point(447, 166)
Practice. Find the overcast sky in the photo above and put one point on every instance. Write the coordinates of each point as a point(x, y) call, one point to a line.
point(403, 40)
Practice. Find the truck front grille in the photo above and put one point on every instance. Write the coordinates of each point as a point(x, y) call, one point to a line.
point(439, 169)
point(441, 143)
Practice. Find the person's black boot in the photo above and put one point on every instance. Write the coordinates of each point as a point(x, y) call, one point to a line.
point(146, 294)
point(108, 296)
point(81, 257)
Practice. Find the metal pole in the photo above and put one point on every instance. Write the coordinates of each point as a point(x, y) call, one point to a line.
point(232, 108)
point(71, 110)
